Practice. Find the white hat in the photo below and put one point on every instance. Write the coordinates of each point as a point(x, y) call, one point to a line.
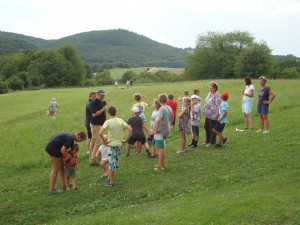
point(135, 110)
point(195, 96)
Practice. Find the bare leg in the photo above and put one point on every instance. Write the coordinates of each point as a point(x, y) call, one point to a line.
point(127, 149)
point(183, 141)
point(74, 182)
point(261, 118)
point(111, 175)
point(53, 176)
point(161, 155)
point(68, 183)
point(266, 122)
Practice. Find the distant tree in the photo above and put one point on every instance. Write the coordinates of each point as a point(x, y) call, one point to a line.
point(254, 60)
point(3, 87)
point(103, 78)
point(128, 75)
point(16, 83)
point(215, 54)
point(290, 73)
point(89, 72)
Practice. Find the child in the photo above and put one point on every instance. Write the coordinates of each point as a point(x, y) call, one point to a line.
point(185, 95)
point(162, 129)
point(222, 120)
point(184, 116)
point(70, 163)
point(195, 120)
point(138, 97)
point(174, 106)
point(103, 151)
point(150, 139)
point(114, 128)
point(197, 92)
point(138, 126)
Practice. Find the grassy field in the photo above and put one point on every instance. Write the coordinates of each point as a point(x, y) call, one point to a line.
point(117, 73)
point(254, 179)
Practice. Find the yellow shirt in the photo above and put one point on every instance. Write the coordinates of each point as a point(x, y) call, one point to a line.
point(114, 128)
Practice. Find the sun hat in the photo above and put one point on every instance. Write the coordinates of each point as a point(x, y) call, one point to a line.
point(194, 96)
point(135, 110)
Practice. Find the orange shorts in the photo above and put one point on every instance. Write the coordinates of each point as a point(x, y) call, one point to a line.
point(57, 163)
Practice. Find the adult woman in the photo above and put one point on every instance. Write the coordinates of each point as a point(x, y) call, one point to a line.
point(247, 102)
point(263, 102)
point(211, 109)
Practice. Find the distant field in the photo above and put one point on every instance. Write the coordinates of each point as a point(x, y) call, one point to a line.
point(118, 72)
point(254, 179)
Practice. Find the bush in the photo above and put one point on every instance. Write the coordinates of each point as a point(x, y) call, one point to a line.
point(3, 87)
point(16, 83)
point(103, 78)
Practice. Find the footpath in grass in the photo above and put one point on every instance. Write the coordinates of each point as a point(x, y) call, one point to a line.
point(253, 180)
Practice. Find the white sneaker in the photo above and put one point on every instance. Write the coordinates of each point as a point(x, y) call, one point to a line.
point(266, 132)
point(259, 131)
point(180, 151)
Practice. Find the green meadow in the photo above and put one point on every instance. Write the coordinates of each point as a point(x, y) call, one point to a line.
point(254, 179)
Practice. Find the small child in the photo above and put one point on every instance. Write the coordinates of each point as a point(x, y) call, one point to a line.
point(185, 95)
point(184, 117)
point(70, 166)
point(138, 98)
point(197, 92)
point(195, 120)
point(138, 126)
point(151, 140)
point(103, 151)
point(174, 106)
point(222, 120)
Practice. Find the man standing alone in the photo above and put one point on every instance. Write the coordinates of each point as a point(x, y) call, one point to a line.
point(98, 118)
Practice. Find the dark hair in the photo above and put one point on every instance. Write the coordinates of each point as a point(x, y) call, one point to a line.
point(186, 92)
point(112, 111)
point(196, 91)
point(92, 93)
point(215, 86)
point(137, 97)
point(156, 102)
point(248, 80)
point(170, 96)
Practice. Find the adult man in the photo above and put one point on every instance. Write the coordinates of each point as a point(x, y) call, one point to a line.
point(53, 107)
point(57, 149)
point(88, 116)
point(98, 111)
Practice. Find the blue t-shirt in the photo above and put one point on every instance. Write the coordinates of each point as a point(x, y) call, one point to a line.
point(222, 110)
point(263, 95)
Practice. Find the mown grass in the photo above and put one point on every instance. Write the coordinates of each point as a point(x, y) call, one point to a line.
point(253, 180)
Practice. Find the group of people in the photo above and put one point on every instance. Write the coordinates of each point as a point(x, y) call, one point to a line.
point(162, 121)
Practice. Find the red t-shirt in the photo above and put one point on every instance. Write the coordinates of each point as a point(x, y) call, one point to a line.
point(173, 104)
point(68, 163)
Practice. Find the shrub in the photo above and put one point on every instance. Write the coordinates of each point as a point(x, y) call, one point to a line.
point(3, 87)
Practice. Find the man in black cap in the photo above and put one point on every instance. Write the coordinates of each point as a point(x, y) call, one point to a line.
point(98, 111)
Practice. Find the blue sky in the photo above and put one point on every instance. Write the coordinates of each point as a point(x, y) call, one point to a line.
point(173, 22)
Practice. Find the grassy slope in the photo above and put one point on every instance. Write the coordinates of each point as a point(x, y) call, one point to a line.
point(254, 180)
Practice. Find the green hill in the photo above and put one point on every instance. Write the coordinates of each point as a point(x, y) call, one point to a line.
point(108, 46)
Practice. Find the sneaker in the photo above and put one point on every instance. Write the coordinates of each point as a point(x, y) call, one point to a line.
point(266, 132)
point(190, 144)
point(259, 131)
point(225, 141)
point(218, 146)
point(180, 151)
point(55, 191)
point(95, 164)
point(208, 145)
point(193, 146)
point(109, 185)
point(126, 155)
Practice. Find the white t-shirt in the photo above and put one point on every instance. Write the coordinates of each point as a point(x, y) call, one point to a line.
point(104, 152)
point(248, 91)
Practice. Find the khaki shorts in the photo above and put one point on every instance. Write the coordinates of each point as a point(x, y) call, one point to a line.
point(56, 163)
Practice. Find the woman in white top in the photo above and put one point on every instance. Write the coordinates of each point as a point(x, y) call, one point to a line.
point(247, 102)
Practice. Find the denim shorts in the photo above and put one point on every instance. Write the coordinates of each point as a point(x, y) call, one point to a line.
point(70, 171)
point(263, 109)
point(247, 106)
point(219, 126)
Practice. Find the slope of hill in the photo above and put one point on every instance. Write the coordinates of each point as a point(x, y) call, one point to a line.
point(111, 46)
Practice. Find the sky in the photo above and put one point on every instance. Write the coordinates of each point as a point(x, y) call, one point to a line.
point(173, 22)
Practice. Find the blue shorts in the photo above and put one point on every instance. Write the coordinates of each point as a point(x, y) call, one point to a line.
point(113, 153)
point(247, 106)
point(219, 127)
point(263, 109)
point(132, 140)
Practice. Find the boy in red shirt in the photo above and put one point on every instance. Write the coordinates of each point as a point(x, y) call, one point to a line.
point(174, 106)
point(70, 163)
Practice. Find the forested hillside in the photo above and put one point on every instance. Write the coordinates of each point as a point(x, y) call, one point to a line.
point(108, 46)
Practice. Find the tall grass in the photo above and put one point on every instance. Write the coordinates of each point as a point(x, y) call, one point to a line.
point(253, 180)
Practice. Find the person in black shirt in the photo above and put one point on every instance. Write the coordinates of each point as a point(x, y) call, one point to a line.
point(88, 116)
point(57, 149)
point(98, 118)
